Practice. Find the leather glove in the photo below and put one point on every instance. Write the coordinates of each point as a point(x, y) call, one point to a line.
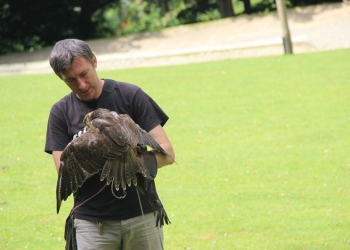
point(147, 186)
point(149, 161)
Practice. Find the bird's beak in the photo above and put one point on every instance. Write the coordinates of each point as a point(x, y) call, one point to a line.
point(87, 121)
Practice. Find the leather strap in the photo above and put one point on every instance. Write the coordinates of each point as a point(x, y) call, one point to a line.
point(106, 95)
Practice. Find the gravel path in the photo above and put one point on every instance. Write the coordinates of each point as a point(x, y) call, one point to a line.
point(314, 28)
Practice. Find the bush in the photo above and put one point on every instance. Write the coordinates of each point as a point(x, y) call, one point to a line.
point(135, 17)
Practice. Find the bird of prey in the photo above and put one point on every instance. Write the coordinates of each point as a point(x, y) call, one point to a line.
point(108, 146)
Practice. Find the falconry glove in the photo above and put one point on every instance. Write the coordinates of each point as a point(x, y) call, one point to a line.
point(149, 161)
point(147, 186)
point(157, 205)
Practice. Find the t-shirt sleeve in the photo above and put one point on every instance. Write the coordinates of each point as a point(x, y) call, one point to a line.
point(57, 136)
point(147, 113)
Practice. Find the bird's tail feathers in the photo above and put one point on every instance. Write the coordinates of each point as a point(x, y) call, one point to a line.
point(122, 170)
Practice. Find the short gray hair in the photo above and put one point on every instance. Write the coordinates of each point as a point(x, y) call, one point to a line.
point(65, 51)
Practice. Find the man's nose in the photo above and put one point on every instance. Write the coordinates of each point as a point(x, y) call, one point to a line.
point(81, 83)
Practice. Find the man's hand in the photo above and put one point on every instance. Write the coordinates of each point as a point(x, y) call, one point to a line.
point(136, 149)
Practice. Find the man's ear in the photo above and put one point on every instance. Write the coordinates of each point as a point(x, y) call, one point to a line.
point(95, 61)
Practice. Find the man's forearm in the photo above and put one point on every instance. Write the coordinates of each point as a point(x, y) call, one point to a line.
point(56, 157)
point(163, 160)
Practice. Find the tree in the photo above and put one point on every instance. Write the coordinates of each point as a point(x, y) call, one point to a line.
point(87, 26)
point(189, 15)
point(24, 26)
point(247, 6)
point(32, 24)
point(225, 8)
point(164, 5)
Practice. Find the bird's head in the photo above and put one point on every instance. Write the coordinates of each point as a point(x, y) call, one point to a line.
point(100, 114)
point(87, 120)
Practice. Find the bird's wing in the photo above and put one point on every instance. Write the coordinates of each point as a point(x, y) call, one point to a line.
point(106, 147)
point(83, 157)
point(140, 136)
point(122, 169)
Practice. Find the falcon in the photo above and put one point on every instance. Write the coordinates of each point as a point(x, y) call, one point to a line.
point(108, 147)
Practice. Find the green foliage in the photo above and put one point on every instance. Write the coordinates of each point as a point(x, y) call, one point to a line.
point(132, 17)
point(213, 14)
point(199, 11)
point(31, 25)
point(295, 3)
point(262, 146)
point(266, 6)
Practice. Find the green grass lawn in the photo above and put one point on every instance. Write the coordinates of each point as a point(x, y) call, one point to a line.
point(262, 146)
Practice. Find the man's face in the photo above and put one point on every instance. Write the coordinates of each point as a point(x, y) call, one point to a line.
point(82, 79)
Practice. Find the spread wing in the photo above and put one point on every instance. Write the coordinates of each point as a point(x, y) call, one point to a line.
point(89, 154)
point(106, 147)
point(140, 136)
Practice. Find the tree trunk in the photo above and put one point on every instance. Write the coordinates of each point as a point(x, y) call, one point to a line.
point(247, 6)
point(88, 8)
point(225, 8)
point(86, 26)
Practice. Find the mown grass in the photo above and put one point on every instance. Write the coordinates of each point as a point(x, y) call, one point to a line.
point(262, 148)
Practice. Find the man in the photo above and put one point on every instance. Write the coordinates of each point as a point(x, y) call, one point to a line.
point(111, 219)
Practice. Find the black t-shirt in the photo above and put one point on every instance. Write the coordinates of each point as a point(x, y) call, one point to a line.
point(66, 120)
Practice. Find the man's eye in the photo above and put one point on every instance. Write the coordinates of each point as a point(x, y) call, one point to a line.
point(69, 80)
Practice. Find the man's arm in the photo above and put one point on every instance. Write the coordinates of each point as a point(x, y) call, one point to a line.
point(159, 135)
point(56, 157)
